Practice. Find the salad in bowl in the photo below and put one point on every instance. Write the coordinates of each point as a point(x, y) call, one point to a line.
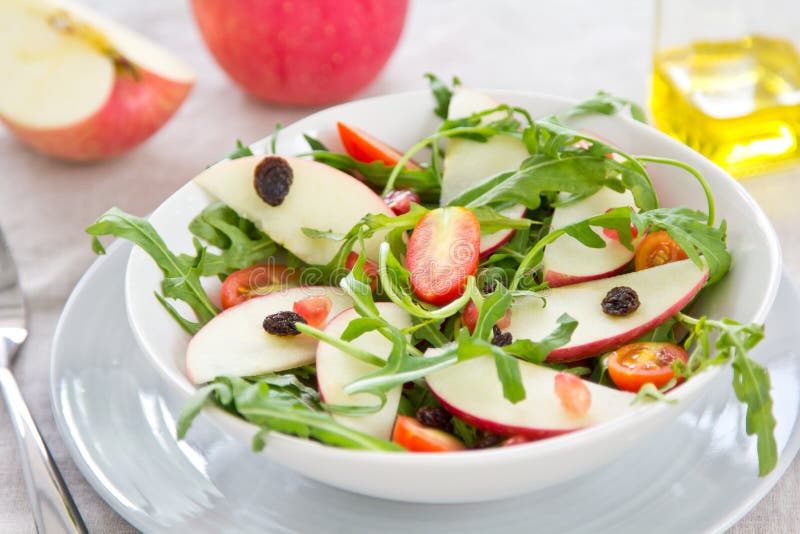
point(508, 292)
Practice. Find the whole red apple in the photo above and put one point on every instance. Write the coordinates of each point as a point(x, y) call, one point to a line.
point(301, 52)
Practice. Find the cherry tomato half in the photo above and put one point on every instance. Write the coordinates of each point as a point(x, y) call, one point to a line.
point(632, 366)
point(416, 437)
point(443, 253)
point(255, 281)
point(657, 249)
point(365, 148)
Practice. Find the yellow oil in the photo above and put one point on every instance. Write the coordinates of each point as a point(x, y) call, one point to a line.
point(736, 102)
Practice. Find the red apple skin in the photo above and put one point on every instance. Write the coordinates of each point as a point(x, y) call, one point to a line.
point(505, 238)
point(301, 53)
point(500, 429)
point(555, 279)
point(578, 352)
point(136, 108)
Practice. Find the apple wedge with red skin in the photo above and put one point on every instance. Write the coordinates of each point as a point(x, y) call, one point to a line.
point(320, 197)
point(80, 87)
point(467, 163)
point(568, 261)
point(662, 292)
point(540, 415)
point(234, 342)
point(336, 369)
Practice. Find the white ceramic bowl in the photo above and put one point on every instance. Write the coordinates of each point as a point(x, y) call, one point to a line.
point(746, 295)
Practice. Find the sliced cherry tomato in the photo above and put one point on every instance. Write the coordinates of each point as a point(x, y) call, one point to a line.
point(399, 200)
point(370, 268)
point(613, 234)
point(634, 365)
point(416, 437)
point(255, 281)
point(314, 310)
point(575, 397)
point(442, 253)
point(363, 147)
point(657, 249)
point(470, 318)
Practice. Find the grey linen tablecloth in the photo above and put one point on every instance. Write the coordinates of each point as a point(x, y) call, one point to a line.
point(566, 48)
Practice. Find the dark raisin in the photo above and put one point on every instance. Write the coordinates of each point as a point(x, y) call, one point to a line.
point(621, 301)
point(488, 440)
point(273, 178)
point(283, 323)
point(501, 339)
point(435, 417)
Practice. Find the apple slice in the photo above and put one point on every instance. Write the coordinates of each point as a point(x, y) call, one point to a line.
point(234, 342)
point(568, 261)
point(320, 197)
point(662, 291)
point(79, 86)
point(471, 391)
point(336, 369)
point(466, 162)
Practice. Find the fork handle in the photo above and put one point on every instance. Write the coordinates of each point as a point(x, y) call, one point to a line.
point(52, 505)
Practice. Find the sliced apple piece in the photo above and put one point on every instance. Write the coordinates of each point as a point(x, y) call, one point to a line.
point(662, 291)
point(471, 391)
point(336, 369)
point(320, 197)
point(79, 86)
point(234, 342)
point(466, 162)
point(568, 261)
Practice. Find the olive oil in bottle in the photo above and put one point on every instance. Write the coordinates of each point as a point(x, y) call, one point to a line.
point(737, 102)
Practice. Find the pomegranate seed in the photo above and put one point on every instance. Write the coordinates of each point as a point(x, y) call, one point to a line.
point(574, 395)
point(314, 309)
point(399, 200)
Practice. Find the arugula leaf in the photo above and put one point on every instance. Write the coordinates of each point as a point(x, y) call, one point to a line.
point(396, 282)
point(580, 175)
point(428, 330)
point(691, 232)
point(241, 244)
point(537, 351)
point(751, 381)
point(240, 151)
point(273, 139)
point(277, 405)
point(376, 173)
point(219, 391)
point(491, 310)
point(607, 104)
point(466, 432)
point(491, 221)
point(649, 392)
point(181, 274)
point(441, 93)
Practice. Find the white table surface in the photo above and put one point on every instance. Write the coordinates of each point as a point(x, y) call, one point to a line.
point(567, 48)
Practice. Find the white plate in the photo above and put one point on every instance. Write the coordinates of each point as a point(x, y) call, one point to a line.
point(117, 417)
point(746, 294)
